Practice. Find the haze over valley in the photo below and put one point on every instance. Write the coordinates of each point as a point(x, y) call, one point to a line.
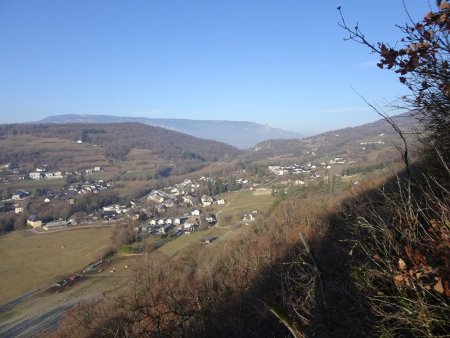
point(237, 133)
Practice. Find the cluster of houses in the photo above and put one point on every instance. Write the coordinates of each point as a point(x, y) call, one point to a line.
point(368, 143)
point(93, 187)
point(184, 194)
point(16, 203)
point(337, 160)
point(380, 142)
point(158, 201)
point(371, 142)
point(41, 173)
point(305, 169)
point(93, 170)
point(292, 169)
point(180, 194)
point(112, 211)
point(11, 173)
point(19, 199)
point(185, 224)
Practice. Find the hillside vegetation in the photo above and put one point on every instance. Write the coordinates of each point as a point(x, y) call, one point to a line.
point(369, 261)
point(340, 140)
point(118, 139)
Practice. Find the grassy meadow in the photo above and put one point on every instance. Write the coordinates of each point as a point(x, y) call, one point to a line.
point(240, 202)
point(30, 261)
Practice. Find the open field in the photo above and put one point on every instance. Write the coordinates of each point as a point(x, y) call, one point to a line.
point(29, 185)
point(241, 202)
point(41, 310)
point(177, 245)
point(31, 261)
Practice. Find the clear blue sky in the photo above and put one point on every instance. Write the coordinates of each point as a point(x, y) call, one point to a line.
point(280, 62)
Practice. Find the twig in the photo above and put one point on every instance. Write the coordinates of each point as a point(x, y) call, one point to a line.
point(316, 266)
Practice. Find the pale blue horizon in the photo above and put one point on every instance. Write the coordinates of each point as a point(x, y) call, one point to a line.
point(280, 63)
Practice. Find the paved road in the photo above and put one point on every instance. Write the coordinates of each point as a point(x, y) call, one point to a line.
point(42, 322)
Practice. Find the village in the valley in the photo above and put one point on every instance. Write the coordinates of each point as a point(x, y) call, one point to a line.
point(183, 207)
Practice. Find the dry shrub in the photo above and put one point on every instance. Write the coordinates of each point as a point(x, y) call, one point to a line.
point(218, 290)
point(401, 249)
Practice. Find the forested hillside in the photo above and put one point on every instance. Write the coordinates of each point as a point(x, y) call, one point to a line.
point(118, 139)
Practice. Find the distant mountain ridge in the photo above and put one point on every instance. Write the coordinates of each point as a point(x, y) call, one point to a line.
point(241, 134)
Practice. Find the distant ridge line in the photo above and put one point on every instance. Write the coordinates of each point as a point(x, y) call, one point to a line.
point(241, 134)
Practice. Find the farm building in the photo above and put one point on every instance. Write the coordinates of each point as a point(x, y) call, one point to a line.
point(55, 225)
point(34, 221)
point(20, 194)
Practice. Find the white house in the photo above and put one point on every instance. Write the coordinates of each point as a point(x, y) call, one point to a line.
point(211, 219)
point(53, 175)
point(35, 176)
point(248, 218)
point(195, 212)
point(189, 226)
point(206, 200)
point(34, 221)
point(18, 208)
